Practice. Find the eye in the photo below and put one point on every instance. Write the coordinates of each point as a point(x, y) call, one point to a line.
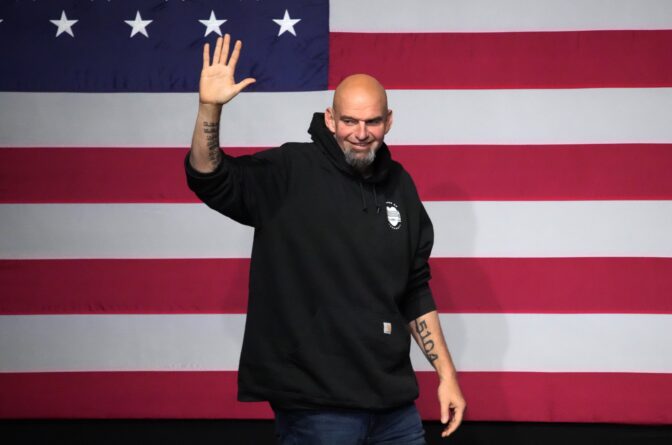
point(348, 121)
point(374, 122)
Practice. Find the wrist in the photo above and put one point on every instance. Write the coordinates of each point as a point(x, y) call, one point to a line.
point(210, 112)
point(446, 373)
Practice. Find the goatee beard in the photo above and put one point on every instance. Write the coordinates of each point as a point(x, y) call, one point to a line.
point(361, 164)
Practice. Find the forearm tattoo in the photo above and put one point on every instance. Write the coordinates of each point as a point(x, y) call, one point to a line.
point(427, 342)
point(211, 130)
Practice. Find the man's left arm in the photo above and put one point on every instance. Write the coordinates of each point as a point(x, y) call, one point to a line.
point(426, 330)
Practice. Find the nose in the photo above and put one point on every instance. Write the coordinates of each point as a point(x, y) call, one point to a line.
point(360, 133)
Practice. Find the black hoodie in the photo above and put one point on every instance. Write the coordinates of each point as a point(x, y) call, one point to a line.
point(338, 269)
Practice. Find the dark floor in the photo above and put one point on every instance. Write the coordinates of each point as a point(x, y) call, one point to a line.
point(259, 432)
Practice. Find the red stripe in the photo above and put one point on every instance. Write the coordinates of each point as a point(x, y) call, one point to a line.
point(576, 172)
point(576, 59)
point(125, 286)
point(553, 285)
point(93, 175)
point(482, 285)
point(508, 396)
point(148, 394)
point(559, 172)
point(96, 175)
point(558, 397)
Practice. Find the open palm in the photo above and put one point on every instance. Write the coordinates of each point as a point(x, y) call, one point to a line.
point(217, 84)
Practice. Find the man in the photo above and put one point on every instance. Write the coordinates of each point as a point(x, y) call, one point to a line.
point(339, 269)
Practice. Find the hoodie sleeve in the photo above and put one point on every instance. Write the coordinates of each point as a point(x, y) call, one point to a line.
point(418, 299)
point(247, 189)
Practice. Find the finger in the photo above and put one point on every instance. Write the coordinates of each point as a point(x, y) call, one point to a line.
point(448, 430)
point(454, 422)
point(206, 55)
point(445, 410)
point(235, 55)
point(457, 419)
point(218, 51)
point(225, 49)
point(245, 83)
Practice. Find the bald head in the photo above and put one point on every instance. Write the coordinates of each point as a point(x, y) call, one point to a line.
point(359, 119)
point(360, 89)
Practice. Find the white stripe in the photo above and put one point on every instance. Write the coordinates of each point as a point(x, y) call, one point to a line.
point(120, 231)
point(120, 342)
point(551, 228)
point(557, 342)
point(497, 15)
point(573, 116)
point(462, 229)
point(478, 342)
point(585, 116)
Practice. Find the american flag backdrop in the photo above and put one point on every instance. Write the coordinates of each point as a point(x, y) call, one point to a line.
point(539, 134)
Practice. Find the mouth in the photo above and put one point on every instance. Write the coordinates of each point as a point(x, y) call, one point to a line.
point(360, 146)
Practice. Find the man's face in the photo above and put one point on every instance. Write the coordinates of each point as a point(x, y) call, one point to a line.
point(359, 122)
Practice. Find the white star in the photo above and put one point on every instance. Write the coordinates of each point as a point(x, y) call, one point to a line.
point(138, 25)
point(286, 24)
point(64, 25)
point(212, 24)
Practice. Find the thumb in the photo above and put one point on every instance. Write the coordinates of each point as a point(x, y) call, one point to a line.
point(245, 83)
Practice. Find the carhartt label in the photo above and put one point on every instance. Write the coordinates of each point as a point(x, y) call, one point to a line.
point(387, 328)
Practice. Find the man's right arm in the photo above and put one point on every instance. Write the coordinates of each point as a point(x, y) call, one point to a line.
point(216, 87)
point(205, 154)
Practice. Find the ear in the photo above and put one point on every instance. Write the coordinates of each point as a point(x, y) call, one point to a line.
point(388, 121)
point(330, 120)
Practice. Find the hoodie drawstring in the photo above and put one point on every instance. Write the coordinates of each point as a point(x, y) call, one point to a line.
point(375, 200)
point(361, 189)
point(375, 197)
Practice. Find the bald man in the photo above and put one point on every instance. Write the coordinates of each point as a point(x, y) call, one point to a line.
point(339, 272)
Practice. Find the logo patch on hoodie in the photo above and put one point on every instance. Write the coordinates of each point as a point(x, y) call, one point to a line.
point(393, 215)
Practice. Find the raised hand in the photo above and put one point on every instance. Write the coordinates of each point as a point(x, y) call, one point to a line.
point(217, 85)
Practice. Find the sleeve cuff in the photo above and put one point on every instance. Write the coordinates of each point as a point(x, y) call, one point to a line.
point(193, 173)
point(418, 304)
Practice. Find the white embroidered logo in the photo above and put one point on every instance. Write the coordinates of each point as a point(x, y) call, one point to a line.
point(393, 215)
point(387, 328)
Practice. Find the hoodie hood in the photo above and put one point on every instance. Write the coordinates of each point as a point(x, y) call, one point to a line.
point(324, 138)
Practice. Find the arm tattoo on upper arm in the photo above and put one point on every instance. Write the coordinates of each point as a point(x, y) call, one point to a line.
point(427, 343)
point(211, 130)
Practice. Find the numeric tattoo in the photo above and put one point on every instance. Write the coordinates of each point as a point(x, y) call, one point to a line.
point(211, 130)
point(427, 343)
